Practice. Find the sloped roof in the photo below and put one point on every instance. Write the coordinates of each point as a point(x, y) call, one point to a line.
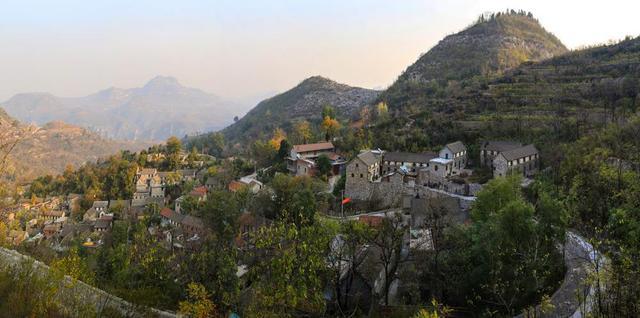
point(500, 146)
point(199, 191)
point(409, 156)
point(521, 152)
point(456, 147)
point(171, 215)
point(124, 203)
point(313, 147)
point(236, 186)
point(368, 157)
point(192, 221)
point(147, 171)
point(100, 204)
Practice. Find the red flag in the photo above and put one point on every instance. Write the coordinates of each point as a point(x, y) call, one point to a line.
point(346, 200)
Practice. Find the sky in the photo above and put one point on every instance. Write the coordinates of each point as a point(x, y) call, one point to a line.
point(243, 50)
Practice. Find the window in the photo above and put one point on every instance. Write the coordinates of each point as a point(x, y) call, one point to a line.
point(353, 175)
point(435, 167)
point(356, 165)
point(446, 156)
point(361, 175)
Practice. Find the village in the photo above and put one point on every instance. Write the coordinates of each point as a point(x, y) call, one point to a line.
point(375, 180)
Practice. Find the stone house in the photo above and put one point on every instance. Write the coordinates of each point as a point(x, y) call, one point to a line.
point(413, 162)
point(457, 152)
point(52, 215)
point(489, 150)
point(103, 224)
point(302, 158)
point(440, 169)
point(97, 210)
point(523, 160)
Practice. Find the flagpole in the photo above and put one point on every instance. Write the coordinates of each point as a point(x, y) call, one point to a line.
point(342, 204)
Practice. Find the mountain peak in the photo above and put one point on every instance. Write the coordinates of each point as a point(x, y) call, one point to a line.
point(319, 82)
point(162, 83)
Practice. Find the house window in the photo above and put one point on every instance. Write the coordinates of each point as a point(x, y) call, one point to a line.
point(446, 156)
point(435, 168)
point(356, 165)
point(353, 175)
point(361, 175)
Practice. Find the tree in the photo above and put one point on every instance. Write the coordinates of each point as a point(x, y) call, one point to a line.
point(324, 165)
point(278, 136)
point(174, 145)
point(74, 266)
point(302, 132)
point(288, 275)
point(389, 241)
point(217, 144)
point(198, 304)
point(328, 111)
point(347, 255)
point(330, 127)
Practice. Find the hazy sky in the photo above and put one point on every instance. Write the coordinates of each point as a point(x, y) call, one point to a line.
point(238, 49)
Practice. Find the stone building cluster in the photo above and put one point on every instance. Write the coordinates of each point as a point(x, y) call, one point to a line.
point(384, 176)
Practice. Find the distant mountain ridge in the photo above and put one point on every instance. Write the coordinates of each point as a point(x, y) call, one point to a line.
point(303, 102)
point(50, 148)
point(159, 109)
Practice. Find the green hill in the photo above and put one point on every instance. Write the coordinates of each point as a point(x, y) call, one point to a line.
point(546, 102)
point(489, 47)
point(303, 102)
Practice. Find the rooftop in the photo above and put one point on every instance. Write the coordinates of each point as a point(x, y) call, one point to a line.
point(456, 146)
point(441, 161)
point(409, 156)
point(500, 146)
point(521, 152)
point(313, 147)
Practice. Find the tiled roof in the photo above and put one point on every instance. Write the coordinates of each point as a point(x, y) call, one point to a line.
point(100, 204)
point(236, 186)
point(500, 146)
point(313, 147)
point(102, 223)
point(521, 152)
point(456, 147)
point(171, 215)
point(192, 221)
point(147, 171)
point(199, 191)
point(409, 157)
point(368, 157)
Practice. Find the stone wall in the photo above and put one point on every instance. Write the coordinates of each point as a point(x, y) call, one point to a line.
point(385, 193)
point(86, 294)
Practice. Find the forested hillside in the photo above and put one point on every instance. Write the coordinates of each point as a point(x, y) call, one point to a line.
point(301, 103)
point(551, 101)
point(492, 45)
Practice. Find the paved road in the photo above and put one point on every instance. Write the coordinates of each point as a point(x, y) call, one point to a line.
point(580, 260)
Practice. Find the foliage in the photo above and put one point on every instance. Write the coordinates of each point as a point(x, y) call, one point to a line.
point(197, 304)
point(289, 273)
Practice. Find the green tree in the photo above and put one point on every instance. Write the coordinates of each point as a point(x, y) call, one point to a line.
point(198, 304)
point(324, 165)
point(289, 274)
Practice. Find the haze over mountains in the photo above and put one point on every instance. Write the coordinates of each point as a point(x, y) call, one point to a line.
point(156, 111)
point(50, 148)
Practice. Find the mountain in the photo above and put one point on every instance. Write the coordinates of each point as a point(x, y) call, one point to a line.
point(489, 47)
point(50, 148)
point(159, 109)
point(303, 102)
point(547, 102)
